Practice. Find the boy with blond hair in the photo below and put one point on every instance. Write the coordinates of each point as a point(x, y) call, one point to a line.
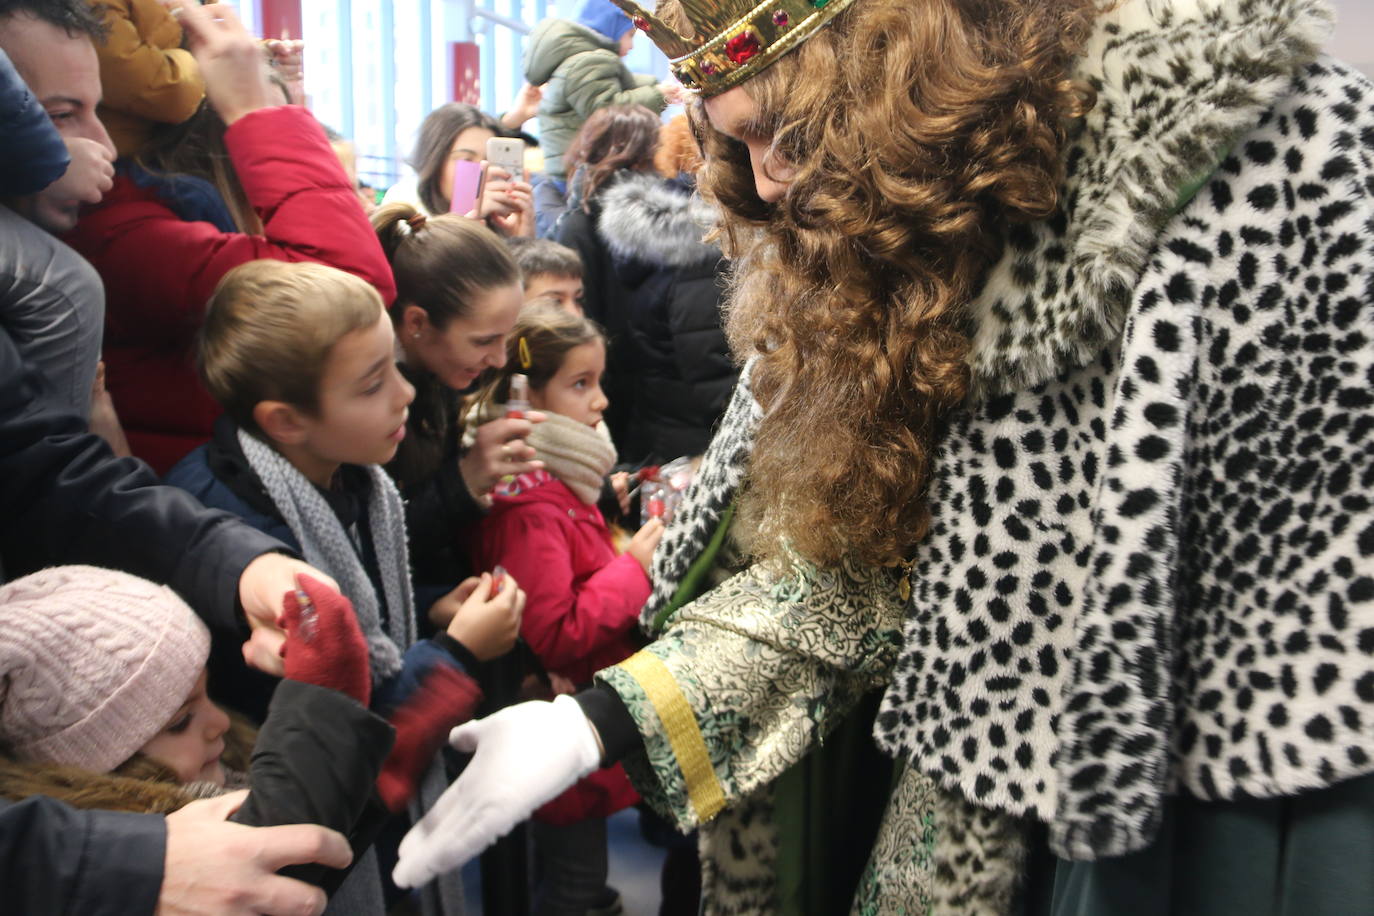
point(301, 356)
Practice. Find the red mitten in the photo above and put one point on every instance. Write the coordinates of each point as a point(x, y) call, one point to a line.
point(324, 645)
point(446, 698)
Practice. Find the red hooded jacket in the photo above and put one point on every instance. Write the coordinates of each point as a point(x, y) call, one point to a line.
point(159, 270)
point(582, 603)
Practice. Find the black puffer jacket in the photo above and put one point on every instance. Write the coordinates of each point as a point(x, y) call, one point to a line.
point(67, 499)
point(678, 356)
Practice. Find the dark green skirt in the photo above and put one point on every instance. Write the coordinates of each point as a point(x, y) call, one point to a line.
point(1307, 855)
point(827, 809)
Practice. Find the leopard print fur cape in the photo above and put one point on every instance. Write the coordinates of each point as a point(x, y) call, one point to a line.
point(1151, 559)
point(1151, 563)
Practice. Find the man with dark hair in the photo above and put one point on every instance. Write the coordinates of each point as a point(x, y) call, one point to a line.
point(50, 43)
point(66, 499)
point(55, 303)
point(75, 17)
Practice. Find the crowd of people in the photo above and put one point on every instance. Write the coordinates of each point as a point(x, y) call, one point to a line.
point(1021, 353)
point(198, 289)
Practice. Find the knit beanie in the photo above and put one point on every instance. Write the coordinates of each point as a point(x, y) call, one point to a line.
point(93, 663)
point(605, 17)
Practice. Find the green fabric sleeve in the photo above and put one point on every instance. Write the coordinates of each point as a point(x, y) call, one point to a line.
point(767, 665)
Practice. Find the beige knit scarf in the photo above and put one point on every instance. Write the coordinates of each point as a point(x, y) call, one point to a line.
point(575, 453)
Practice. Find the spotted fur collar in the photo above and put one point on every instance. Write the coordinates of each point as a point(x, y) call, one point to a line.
point(1177, 82)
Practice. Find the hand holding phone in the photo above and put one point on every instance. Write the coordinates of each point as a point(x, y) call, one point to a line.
point(507, 204)
point(508, 153)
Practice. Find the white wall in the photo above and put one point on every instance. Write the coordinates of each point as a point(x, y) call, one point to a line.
point(1353, 39)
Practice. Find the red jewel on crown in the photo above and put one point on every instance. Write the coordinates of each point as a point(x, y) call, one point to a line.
point(709, 68)
point(742, 47)
point(641, 23)
point(780, 19)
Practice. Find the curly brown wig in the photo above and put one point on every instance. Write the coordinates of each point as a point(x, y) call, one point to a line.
point(916, 133)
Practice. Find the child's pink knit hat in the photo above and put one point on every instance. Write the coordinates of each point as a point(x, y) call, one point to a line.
point(93, 664)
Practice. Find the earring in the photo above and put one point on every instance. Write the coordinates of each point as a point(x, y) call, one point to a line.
point(416, 335)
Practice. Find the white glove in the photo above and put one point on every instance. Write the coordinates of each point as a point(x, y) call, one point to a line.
point(523, 756)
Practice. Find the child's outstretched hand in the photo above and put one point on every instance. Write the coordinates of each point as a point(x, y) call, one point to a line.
point(645, 540)
point(324, 644)
point(443, 610)
point(488, 624)
point(620, 484)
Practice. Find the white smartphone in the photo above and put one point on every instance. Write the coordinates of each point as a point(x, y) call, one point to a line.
point(509, 154)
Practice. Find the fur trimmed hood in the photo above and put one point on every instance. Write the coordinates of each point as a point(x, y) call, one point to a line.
point(1178, 82)
point(85, 790)
point(142, 790)
point(657, 221)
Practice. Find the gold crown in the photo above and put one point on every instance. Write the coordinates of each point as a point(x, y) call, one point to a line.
point(732, 40)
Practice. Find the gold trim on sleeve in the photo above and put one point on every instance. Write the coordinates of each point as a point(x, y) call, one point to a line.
point(680, 724)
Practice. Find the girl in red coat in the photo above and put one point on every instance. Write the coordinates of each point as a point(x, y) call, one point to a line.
point(583, 599)
point(247, 177)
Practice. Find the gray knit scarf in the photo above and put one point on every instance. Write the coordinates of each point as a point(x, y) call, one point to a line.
point(329, 547)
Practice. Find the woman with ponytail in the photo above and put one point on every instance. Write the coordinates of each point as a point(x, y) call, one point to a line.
point(459, 295)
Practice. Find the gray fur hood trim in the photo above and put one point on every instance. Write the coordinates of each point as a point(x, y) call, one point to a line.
point(1178, 82)
point(644, 219)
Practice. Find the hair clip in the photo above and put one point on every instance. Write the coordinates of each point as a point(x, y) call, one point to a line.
point(417, 222)
point(523, 348)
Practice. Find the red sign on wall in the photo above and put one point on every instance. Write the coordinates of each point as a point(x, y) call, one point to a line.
point(467, 71)
point(279, 18)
